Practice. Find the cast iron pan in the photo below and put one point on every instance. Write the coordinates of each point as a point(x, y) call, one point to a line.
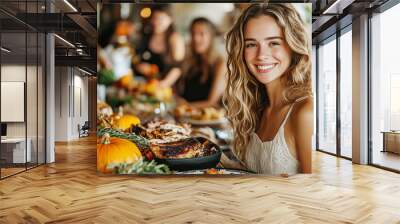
point(203, 162)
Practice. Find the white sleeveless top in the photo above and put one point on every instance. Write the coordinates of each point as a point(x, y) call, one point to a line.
point(272, 157)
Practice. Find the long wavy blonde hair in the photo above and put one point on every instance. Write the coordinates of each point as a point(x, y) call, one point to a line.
point(245, 97)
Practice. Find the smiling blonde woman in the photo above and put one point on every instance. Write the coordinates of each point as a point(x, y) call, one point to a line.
point(268, 97)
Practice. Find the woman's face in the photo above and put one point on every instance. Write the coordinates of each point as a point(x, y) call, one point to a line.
point(267, 55)
point(201, 38)
point(160, 21)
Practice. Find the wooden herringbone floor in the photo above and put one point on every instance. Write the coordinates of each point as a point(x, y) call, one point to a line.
point(70, 191)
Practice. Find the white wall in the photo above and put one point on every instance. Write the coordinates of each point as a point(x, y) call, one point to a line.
point(33, 127)
point(80, 104)
point(71, 94)
point(61, 103)
point(14, 73)
point(17, 73)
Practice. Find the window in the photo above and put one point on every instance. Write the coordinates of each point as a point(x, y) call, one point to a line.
point(346, 94)
point(394, 119)
point(327, 97)
point(314, 89)
point(385, 88)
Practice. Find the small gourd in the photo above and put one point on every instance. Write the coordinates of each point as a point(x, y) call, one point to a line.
point(125, 121)
point(115, 150)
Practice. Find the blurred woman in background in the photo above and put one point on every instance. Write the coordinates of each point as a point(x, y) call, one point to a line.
point(120, 50)
point(204, 81)
point(162, 49)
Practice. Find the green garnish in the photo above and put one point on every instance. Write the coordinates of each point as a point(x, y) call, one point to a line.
point(139, 167)
point(140, 141)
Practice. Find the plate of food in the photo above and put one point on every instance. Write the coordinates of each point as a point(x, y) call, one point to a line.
point(200, 117)
point(225, 134)
point(207, 116)
point(187, 154)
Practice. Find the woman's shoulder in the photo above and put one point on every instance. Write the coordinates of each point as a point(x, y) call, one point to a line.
point(303, 110)
point(304, 102)
point(217, 61)
point(219, 58)
point(175, 36)
point(178, 46)
point(301, 120)
point(176, 39)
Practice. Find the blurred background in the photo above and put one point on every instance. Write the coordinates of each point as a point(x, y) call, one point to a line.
point(223, 15)
point(126, 32)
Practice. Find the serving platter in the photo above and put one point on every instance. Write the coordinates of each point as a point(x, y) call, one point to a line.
point(203, 162)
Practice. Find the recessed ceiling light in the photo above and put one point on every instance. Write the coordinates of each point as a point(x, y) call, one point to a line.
point(5, 49)
point(65, 41)
point(70, 5)
point(333, 6)
point(84, 71)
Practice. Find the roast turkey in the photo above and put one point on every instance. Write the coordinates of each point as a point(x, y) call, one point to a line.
point(185, 148)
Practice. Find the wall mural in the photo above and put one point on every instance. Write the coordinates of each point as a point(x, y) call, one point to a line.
point(204, 88)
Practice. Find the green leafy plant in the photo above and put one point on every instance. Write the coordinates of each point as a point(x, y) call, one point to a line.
point(147, 99)
point(115, 102)
point(106, 77)
point(140, 167)
point(140, 141)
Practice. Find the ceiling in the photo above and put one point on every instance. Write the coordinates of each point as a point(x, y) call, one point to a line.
point(79, 27)
point(72, 20)
point(329, 16)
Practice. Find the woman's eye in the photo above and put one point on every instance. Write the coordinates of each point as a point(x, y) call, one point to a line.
point(248, 45)
point(275, 43)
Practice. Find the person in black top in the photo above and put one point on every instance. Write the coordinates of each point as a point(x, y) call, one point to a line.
point(204, 78)
point(162, 49)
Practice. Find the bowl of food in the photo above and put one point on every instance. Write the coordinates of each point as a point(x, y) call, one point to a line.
point(187, 154)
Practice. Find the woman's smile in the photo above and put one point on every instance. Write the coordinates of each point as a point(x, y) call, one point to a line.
point(264, 68)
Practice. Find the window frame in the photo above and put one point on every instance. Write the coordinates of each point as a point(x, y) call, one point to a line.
point(336, 36)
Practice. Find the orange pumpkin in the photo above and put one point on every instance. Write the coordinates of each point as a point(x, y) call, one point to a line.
point(126, 81)
point(152, 86)
point(115, 150)
point(124, 28)
point(126, 121)
point(154, 70)
point(164, 94)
